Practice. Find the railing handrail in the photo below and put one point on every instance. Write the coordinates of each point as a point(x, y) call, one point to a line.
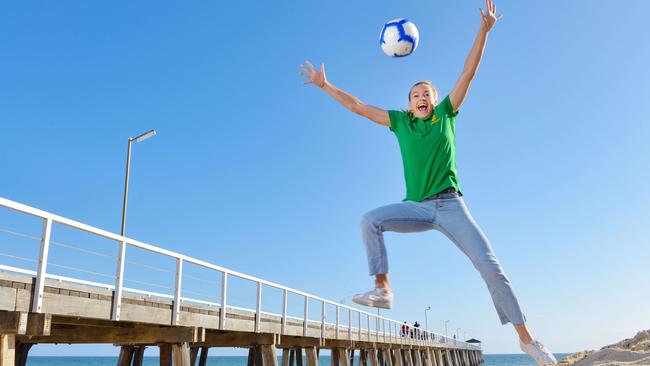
point(51, 218)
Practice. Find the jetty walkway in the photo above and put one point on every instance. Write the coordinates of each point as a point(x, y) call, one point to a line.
point(39, 306)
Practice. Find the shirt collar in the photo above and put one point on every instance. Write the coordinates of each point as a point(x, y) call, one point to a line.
point(413, 118)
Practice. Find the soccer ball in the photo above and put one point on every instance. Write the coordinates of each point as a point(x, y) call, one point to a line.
point(399, 38)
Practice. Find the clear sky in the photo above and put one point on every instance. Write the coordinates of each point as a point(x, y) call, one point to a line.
point(255, 172)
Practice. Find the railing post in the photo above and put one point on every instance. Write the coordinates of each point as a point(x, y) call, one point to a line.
point(37, 305)
point(283, 327)
point(359, 313)
point(349, 324)
point(368, 318)
point(305, 316)
point(337, 322)
point(398, 331)
point(176, 311)
point(224, 293)
point(377, 327)
point(258, 308)
point(322, 321)
point(119, 281)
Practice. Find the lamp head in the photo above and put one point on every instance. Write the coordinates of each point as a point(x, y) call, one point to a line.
point(145, 136)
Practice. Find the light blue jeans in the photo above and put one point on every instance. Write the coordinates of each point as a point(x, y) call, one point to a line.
point(450, 216)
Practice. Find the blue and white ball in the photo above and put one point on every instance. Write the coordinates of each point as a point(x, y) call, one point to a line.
point(399, 38)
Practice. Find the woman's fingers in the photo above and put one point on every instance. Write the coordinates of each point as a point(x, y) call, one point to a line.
point(310, 65)
point(312, 75)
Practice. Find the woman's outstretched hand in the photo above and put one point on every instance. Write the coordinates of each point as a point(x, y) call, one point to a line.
point(313, 76)
point(489, 18)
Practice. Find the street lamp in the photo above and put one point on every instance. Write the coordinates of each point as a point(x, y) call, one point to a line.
point(426, 321)
point(457, 332)
point(138, 138)
point(446, 334)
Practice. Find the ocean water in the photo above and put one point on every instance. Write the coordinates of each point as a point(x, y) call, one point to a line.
point(490, 360)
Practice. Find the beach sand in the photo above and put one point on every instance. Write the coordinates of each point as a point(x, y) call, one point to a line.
point(632, 351)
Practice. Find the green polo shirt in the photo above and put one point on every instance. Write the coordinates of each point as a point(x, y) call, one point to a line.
point(428, 149)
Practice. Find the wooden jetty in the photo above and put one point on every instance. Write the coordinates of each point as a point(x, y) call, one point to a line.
point(40, 307)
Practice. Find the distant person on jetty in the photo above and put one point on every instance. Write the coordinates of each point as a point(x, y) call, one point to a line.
point(416, 330)
point(405, 329)
point(426, 133)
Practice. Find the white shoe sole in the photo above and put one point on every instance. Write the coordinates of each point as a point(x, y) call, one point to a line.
point(374, 304)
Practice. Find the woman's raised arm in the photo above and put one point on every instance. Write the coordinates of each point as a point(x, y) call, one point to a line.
point(488, 19)
point(347, 100)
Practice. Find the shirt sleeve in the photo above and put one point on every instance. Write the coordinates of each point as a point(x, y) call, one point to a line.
point(447, 108)
point(395, 118)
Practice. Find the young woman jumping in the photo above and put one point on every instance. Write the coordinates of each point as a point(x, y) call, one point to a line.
point(426, 136)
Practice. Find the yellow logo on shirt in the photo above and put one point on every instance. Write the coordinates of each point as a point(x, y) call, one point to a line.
point(435, 119)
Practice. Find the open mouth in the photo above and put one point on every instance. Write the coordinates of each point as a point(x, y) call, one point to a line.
point(423, 108)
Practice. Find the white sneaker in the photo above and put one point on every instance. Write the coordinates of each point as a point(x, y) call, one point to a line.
point(378, 298)
point(539, 353)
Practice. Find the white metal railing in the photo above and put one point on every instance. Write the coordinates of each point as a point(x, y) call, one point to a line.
point(384, 328)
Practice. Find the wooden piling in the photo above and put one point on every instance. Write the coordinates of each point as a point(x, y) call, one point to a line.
point(426, 354)
point(7, 349)
point(203, 359)
point(388, 358)
point(165, 354)
point(269, 355)
point(126, 355)
point(344, 358)
point(397, 357)
point(312, 357)
point(298, 356)
point(373, 357)
point(334, 359)
point(409, 357)
point(181, 354)
point(138, 355)
point(22, 351)
point(363, 357)
point(416, 357)
point(285, 357)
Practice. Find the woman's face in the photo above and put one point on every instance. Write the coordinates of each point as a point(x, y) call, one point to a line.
point(422, 100)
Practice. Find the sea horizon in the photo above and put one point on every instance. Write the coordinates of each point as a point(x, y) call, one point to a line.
point(516, 359)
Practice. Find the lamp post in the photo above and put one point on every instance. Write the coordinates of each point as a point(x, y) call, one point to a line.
point(457, 332)
point(446, 334)
point(426, 320)
point(138, 138)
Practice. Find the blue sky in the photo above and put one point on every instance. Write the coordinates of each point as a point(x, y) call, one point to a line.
point(255, 172)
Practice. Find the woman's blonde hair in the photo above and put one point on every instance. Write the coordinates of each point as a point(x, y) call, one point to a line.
point(425, 82)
